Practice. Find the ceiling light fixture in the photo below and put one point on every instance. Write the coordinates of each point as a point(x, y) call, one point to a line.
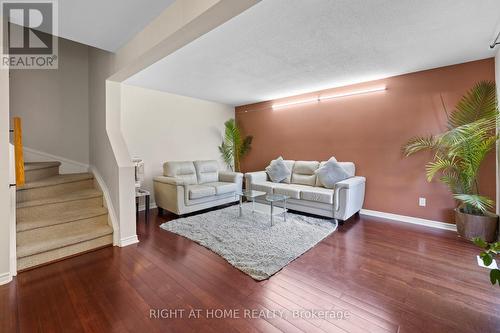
point(354, 92)
point(302, 101)
point(322, 98)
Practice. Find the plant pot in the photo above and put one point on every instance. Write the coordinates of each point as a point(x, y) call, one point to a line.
point(470, 226)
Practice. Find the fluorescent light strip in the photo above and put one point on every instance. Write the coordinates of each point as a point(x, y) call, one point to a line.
point(321, 98)
point(356, 92)
point(303, 101)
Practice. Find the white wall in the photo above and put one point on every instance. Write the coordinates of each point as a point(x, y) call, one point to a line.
point(5, 194)
point(53, 104)
point(159, 127)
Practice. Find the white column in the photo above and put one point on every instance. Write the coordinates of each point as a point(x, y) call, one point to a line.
point(5, 193)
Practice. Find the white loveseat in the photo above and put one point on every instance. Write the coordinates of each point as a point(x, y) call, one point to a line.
point(308, 195)
point(186, 187)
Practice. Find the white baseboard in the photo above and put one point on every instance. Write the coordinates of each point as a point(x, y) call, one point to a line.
point(410, 219)
point(108, 203)
point(128, 241)
point(5, 278)
point(67, 165)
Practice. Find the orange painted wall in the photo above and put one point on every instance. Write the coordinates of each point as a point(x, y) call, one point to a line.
point(369, 130)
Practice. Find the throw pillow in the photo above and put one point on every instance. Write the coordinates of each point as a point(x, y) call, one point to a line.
point(277, 170)
point(331, 173)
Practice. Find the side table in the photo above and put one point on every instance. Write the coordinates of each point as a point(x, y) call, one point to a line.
point(140, 193)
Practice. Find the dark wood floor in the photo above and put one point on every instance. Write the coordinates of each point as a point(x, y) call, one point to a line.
point(388, 276)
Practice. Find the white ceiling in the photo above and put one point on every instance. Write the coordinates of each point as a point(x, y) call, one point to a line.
point(106, 24)
point(280, 48)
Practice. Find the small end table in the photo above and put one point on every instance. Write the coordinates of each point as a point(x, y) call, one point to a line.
point(140, 193)
point(272, 198)
point(249, 195)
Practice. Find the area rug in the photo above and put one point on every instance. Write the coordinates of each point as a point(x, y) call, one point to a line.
point(250, 243)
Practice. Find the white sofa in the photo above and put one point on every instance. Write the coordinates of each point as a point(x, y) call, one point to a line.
point(308, 195)
point(186, 187)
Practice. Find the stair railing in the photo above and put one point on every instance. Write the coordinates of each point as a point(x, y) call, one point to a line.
point(18, 151)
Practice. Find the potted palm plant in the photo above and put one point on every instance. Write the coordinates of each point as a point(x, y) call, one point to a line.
point(458, 154)
point(234, 146)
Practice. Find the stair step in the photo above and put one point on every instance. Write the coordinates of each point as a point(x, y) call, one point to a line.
point(56, 180)
point(54, 186)
point(73, 196)
point(30, 166)
point(35, 171)
point(64, 252)
point(53, 217)
point(46, 239)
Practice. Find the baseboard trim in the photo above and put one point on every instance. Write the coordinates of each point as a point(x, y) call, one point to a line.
point(67, 165)
point(109, 204)
point(5, 278)
point(409, 219)
point(128, 241)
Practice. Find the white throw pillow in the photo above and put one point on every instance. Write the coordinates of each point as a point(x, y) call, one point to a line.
point(277, 170)
point(331, 173)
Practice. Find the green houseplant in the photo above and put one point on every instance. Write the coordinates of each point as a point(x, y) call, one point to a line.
point(490, 251)
point(234, 146)
point(458, 154)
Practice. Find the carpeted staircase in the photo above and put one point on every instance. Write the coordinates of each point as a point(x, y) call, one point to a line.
point(58, 215)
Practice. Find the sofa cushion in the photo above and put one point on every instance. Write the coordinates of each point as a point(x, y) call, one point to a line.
point(200, 191)
point(183, 170)
point(331, 173)
point(207, 171)
point(349, 167)
point(266, 186)
point(291, 190)
point(303, 172)
point(277, 170)
point(317, 194)
point(289, 164)
point(223, 187)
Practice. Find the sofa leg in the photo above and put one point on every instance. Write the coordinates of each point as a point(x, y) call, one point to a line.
point(160, 211)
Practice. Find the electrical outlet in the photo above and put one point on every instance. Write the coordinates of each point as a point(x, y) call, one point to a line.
point(422, 202)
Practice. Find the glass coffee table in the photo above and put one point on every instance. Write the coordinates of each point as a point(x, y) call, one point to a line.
point(268, 208)
point(274, 198)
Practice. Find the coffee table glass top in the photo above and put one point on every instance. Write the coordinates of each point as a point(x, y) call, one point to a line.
point(251, 193)
point(276, 197)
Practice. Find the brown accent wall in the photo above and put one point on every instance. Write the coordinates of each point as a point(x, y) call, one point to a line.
point(369, 130)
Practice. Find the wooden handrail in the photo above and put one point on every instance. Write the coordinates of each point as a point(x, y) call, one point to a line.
point(18, 150)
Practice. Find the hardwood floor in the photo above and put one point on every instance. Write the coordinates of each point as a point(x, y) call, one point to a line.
point(386, 276)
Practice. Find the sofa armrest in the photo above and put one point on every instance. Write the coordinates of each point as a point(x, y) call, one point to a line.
point(230, 177)
point(351, 182)
point(349, 196)
point(169, 180)
point(257, 176)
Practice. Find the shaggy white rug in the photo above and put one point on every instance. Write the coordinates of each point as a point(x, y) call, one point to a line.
point(250, 243)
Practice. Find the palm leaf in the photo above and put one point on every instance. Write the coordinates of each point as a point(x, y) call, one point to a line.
point(479, 102)
point(417, 144)
point(439, 165)
point(482, 203)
